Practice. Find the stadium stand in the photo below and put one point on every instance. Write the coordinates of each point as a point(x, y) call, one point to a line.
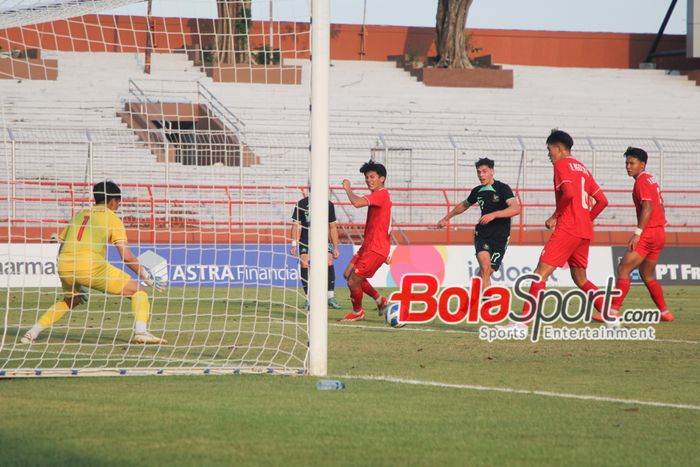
point(428, 137)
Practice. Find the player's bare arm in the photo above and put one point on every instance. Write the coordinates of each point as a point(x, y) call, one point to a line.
point(333, 229)
point(133, 263)
point(456, 211)
point(357, 201)
point(644, 217)
point(512, 210)
point(294, 237)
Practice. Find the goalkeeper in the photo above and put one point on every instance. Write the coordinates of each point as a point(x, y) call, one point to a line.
point(82, 262)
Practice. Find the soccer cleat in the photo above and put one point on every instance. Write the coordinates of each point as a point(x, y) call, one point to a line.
point(83, 293)
point(666, 316)
point(352, 316)
point(599, 317)
point(27, 339)
point(382, 306)
point(147, 338)
point(614, 323)
point(333, 303)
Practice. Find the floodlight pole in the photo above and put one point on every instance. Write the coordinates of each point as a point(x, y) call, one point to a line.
point(318, 198)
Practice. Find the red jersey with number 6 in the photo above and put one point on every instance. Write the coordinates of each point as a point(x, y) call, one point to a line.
point(573, 217)
point(378, 225)
point(646, 189)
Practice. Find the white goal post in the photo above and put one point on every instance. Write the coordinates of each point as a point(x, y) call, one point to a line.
point(208, 181)
point(320, 64)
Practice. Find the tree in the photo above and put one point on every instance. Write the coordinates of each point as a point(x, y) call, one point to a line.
point(232, 40)
point(451, 40)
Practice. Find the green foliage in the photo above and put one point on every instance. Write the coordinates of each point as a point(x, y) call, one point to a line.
point(243, 23)
point(267, 55)
point(208, 57)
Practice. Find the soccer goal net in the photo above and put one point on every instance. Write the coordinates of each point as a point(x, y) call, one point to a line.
point(198, 110)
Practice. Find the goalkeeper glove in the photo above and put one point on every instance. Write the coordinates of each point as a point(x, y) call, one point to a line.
point(153, 281)
point(83, 293)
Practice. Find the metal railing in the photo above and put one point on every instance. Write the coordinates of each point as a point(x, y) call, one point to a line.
point(158, 210)
point(220, 110)
point(416, 162)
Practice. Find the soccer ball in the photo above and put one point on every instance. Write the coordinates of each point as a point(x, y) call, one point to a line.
point(392, 316)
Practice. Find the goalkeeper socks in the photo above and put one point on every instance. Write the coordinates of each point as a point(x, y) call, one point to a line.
point(657, 294)
point(535, 289)
point(305, 280)
point(331, 277)
point(140, 306)
point(356, 299)
point(623, 285)
point(598, 303)
point(52, 315)
point(369, 290)
point(36, 330)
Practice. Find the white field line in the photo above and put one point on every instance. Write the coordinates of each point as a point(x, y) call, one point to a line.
point(677, 341)
point(464, 331)
point(559, 395)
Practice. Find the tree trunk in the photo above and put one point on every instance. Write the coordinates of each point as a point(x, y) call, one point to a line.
point(232, 40)
point(451, 40)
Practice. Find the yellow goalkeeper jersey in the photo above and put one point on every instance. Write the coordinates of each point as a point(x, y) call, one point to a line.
point(89, 232)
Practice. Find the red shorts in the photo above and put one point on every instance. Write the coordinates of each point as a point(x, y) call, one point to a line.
point(367, 262)
point(651, 242)
point(563, 247)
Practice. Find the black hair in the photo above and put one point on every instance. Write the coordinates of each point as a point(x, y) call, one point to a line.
point(637, 153)
point(484, 161)
point(104, 192)
point(561, 137)
point(371, 166)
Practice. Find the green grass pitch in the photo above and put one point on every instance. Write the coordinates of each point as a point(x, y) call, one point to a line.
point(275, 420)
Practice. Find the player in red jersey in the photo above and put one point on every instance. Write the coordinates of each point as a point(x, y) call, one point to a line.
point(572, 220)
point(375, 248)
point(648, 240)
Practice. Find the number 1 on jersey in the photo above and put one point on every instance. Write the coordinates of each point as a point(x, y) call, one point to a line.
point(82, 228)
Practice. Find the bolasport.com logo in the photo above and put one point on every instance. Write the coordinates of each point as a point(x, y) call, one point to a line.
point(421, 300)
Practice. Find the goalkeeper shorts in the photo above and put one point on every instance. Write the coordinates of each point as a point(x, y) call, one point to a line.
point(97, 275)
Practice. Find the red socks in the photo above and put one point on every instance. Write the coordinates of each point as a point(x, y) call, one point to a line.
point(356, 295)
point(655, 290)
point(356, 299)
point(657, 294)
point(369, 290)
point(535, 289)
point(622, 285)
point(598, 303)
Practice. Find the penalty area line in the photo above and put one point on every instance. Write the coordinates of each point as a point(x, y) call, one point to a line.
point(558, 395)
point(677, 341)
